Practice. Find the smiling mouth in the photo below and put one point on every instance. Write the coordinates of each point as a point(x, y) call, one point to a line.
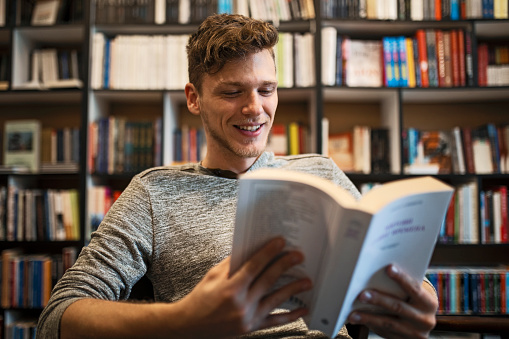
point(249, 128)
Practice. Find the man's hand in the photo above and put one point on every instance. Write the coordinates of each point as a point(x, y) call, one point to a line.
point(411, 318)
point(223, 306)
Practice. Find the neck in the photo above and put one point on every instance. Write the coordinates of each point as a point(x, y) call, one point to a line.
point(237, 165)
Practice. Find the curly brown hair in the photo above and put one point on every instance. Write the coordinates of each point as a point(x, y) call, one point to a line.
point(225, 37)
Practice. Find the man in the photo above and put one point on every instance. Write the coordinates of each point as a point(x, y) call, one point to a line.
point(175, 224)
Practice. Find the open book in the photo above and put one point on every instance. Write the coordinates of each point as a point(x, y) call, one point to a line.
point(346, 243)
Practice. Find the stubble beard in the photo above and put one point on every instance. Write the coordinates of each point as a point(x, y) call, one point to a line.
point(248, 151)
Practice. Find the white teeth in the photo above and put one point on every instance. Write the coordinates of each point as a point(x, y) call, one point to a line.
point(250, 128)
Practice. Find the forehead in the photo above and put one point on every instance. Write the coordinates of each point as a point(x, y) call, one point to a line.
point(254, 68)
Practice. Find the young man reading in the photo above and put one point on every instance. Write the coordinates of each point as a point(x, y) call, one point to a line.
point(175, 224)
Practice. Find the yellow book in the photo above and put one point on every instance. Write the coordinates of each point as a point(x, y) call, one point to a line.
point(293, 138)
point(410, 62)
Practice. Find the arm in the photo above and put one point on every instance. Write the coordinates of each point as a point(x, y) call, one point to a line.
point(219, 305)
point(411, 318)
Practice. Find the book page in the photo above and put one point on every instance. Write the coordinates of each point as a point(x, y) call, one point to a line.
point(403, 232)
point(300, 213)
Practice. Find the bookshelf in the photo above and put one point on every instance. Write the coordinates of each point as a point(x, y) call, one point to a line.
point(395, 108)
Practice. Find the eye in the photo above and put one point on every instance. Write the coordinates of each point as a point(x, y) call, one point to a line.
point(231, 93)
point(266, 91)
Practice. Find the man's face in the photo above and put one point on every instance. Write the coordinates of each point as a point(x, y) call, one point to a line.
point(237, 106)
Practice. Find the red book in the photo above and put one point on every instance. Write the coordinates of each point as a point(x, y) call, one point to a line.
point(439, 34)
point(449, 220)
point(463, 10)
point(438, 10)
point(467, 148)
point(482, 65)
point(504, 227)
point(455, 59)
point(423, 56)
point(482, 278)
point(461, 57)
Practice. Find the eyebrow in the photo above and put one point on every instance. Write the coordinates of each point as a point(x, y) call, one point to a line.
point(236, 83)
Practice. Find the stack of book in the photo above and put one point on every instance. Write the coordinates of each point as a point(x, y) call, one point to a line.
point(416, 10)
point(27, 279)
point(118, 145)
point(483, 290)
point(476, 150)
point(193, 12)
point(38, 215)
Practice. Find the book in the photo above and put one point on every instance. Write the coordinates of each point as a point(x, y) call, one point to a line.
point(340, 150)
point(45, 12)
point(22, 140)
point(346, 243)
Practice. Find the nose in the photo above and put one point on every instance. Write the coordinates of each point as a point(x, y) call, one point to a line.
point(253, 104)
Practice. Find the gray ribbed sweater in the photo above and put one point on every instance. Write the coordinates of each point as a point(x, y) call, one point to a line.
point(172, 224)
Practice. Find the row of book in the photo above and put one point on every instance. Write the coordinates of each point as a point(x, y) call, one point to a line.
point(494, 215)
point(49, 12)
point(430, 58)
point(195, 11)
point(21, 329)
point(482, 290)
point(144, 62)
point(461, 224)
point(54, 68)
point(416, 10)
point(119, 145)
point(189, 144)
point(27, 279)
point(482, 149)
point(362, 150)
point(60, 148)
point(39, 214)
point(288, 139)
point(100, 199)
point(493, 65)
point(139, 62)
point(31, 147)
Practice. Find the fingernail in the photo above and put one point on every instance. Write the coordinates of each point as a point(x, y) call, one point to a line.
point(366, 296)
point(296, 258)
point(393, 270)
point(354, 318)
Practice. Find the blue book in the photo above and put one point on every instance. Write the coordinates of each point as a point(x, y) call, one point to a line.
point(389, 63)
point(107, 62)
point(418, 79)
point(455, 10)
point(339, 61)
point(402, 61)
point(466, 292)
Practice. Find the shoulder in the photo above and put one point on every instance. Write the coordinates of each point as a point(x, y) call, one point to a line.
point(316, 164)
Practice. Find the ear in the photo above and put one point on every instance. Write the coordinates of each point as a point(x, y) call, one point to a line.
point(193, 104)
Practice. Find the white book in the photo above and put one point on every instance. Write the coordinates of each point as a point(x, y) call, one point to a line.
point(329, 52)
point(184, 11)
point(241, 7)
point(325, 136)
point(160, 12)
point(497, 217)
point(363, 63)
point(391, 9)
point(417, 10)
point(459, 150)
point(96, 74)
point(346, 243)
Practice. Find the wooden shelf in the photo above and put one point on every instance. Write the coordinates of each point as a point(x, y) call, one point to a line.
point(474, 324)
